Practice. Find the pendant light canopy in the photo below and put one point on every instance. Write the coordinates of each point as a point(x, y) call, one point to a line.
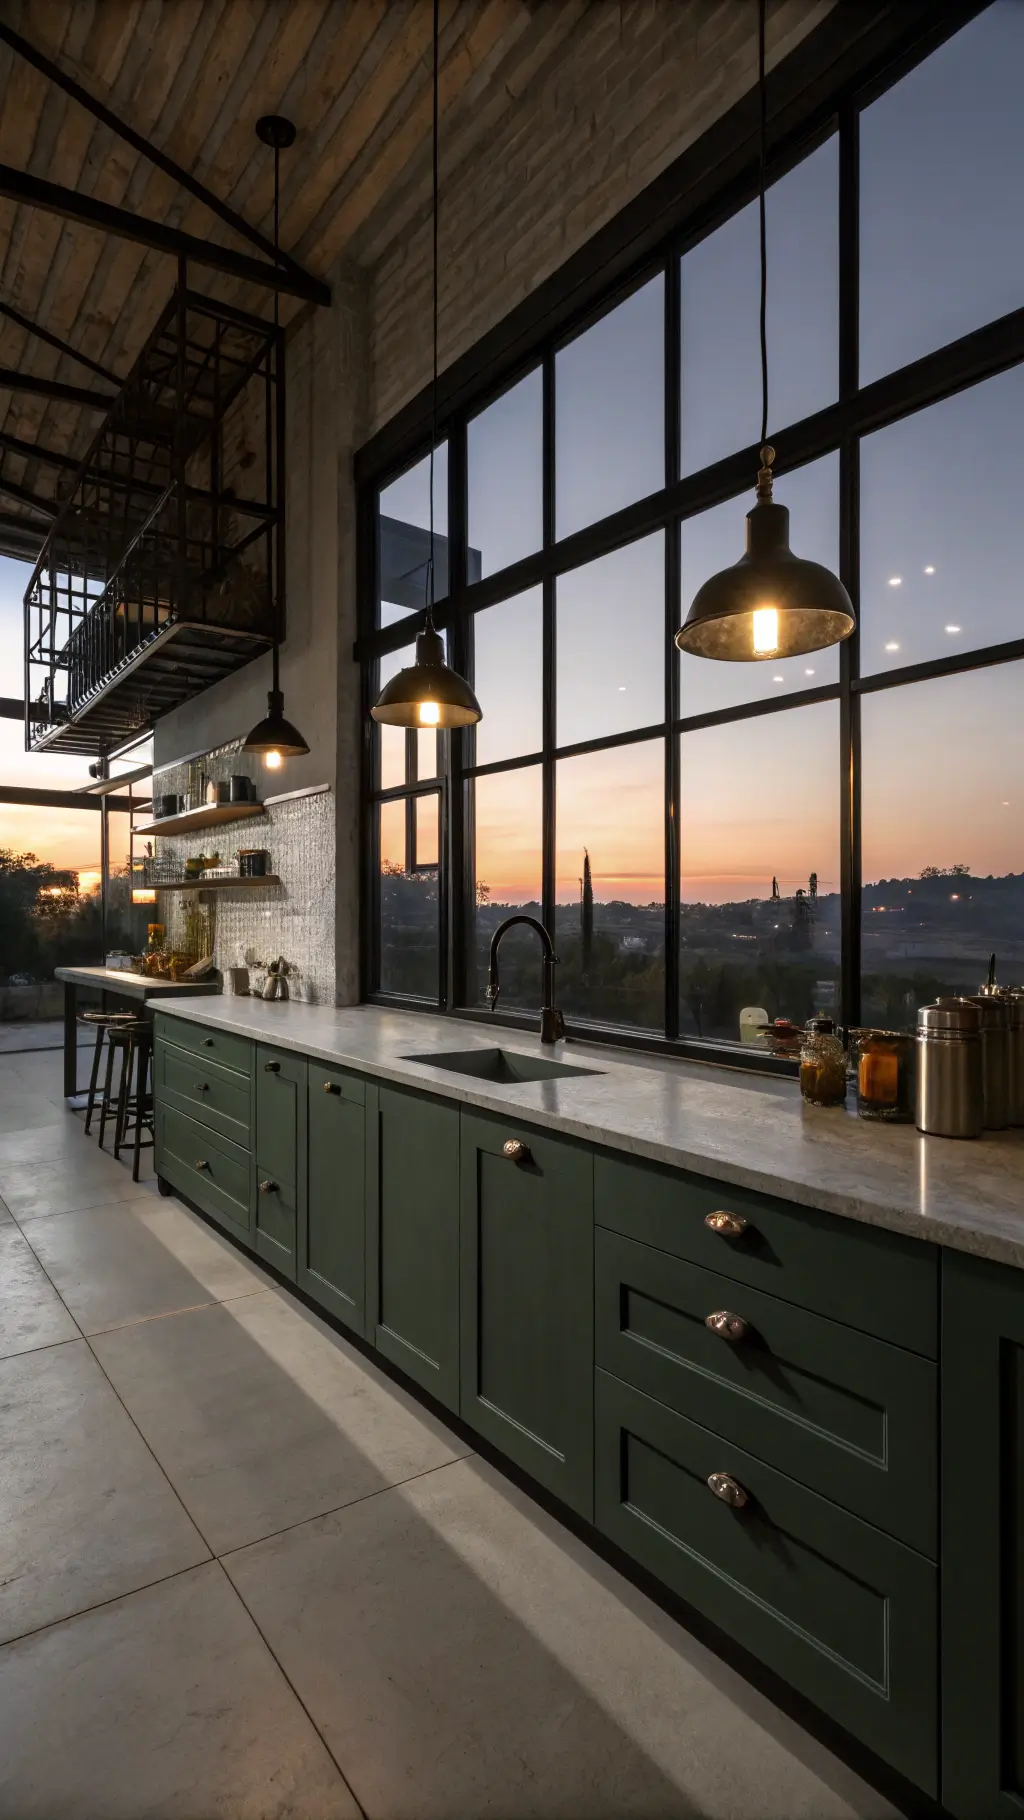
point(428, 693)
point(274, 738)
point(770, 604)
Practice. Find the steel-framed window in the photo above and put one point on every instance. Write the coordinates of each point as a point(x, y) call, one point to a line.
point(836, 430)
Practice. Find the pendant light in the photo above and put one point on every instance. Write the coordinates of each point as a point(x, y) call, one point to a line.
point(274, 737)
point(770, 604)
point(428, 693)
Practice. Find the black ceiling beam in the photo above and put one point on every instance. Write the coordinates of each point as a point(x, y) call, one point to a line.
point(62, 799)
point(37, 193)
point(55, 341)
point(47, 67)
point(11, 381)
point(13, 708)
point(25, 497)
point(30, 451)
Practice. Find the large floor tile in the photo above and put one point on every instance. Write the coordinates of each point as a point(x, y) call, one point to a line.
point(31, 1312)
point(462, 1655)
point(134, 1259)
point(22, 1109)
point(165, 1704)
point(90, 1179)
point(6, 1216)
point(42, 1143)
point(262, 1417)
point(85, 1512)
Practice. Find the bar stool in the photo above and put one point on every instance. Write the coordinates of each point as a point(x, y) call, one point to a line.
point(103, 1022)
point(134, 1095)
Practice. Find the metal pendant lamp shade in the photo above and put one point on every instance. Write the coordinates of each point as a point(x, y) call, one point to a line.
point(770, 604)
point(275, 734)
point(427, 693)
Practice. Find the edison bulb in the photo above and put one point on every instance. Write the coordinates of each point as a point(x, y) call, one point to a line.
point(430, 714)
point(272, 760)
point(766, 631)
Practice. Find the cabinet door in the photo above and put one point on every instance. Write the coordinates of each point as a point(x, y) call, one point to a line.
point(279, 1154)
point(412, 1236)
point(982, 1538)
point(331, 1263)
point(528, 1302)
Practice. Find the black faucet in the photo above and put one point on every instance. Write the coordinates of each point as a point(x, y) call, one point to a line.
point(552, 1022)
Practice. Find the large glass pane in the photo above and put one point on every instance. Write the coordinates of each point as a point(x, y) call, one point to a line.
point(404, 530)
point(508, 672)
point(396, 759)
point(721, 349)
point(610, 885)
point(503, 814)
point(941, 174)
point(610, 643)
point(940, 528)
point(505, 474)
point(714, 540)
point(610, 412)
point(49, 907)
point(943, 857)
point(759, 845)
point(409, 910)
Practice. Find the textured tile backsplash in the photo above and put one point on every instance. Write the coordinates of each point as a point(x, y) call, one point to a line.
point(256, 925)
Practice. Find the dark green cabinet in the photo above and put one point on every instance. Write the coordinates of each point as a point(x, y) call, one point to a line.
point(279, 1154)
point(527, 1234)
point(982, 1538)
point(412, 1236)
point(331, 1262)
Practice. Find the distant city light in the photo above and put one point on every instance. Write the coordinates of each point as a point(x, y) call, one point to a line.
point(954, 897)
point(1006, 805)
point(895, 581)
point(891, 646)
point(930, 568)
point(952, 628)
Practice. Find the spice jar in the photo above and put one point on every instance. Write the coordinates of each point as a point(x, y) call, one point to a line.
point(886, 1063)
point(822, 1064)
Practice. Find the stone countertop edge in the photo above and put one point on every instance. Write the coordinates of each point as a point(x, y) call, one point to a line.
point(689, 1115)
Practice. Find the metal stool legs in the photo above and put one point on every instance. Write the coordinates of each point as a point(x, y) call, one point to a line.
point(134, 1099)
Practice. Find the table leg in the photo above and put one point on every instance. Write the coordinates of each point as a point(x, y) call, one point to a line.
point(70, 1040)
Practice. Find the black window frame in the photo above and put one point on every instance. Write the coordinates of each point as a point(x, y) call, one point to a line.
point(837, 429)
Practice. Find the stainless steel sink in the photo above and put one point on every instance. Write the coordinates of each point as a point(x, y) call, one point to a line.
point(505, 1066)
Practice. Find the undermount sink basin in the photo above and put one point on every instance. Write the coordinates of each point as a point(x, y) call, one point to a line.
point(503, 1065)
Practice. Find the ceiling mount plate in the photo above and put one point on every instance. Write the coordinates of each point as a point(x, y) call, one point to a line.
point(275, 130)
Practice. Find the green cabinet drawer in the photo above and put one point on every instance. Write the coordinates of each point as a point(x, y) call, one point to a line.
point(279, 1153)
point(875, 1280)
point(848, 1415)
point(206, 1040)
point(844, 1613)
point(208, 1170)
point(527, 1237)
point(412, 1236)
point(331, 1264)
point(216, 1096)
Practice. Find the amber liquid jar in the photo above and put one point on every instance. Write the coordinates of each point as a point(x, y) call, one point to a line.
point(886, 1065)
point(822, 1064)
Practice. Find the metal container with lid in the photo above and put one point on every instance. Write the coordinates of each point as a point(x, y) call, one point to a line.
point(995, 1056)
point(1012, 998)
point(950, 1093)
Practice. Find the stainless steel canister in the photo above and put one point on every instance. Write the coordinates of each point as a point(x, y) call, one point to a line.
point(1013, 998)
point(995, 1056)
point(950, 1094)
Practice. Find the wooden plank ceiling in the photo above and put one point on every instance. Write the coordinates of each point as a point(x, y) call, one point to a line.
point(193, 76)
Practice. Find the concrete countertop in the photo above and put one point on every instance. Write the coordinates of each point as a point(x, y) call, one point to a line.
point(132, 985)
point(751, 1130)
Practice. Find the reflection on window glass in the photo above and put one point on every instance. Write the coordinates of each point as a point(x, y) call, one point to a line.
point(611, 643)
point(405, 538)
point(759, 848)
point(721, 349)
point(940, 570)
point(610, 885)
point(714, 540)
point(50, 904)
point(507, 658)
point(428, 832)
point(396, 758)
point(409, 910)
point(941, 174)
point(505, 461)
point(943, 853)
point(503, 812)
point(610, 412)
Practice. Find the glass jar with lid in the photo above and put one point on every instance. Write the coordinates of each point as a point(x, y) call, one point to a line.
point(886, 1067)
point(822, 1064)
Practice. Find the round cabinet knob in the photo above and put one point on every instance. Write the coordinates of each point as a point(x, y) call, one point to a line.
point(331, 1087)
point(201, 1163)
point(201, 1086)
point(728, 1489)
point(727, 1225)
point(271, 1067)
point(516, 1150)
point(727, 1326)
point(268, 1188)
point(207, 1042)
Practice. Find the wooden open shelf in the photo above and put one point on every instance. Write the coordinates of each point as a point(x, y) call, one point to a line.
point(211, 884)
point(210, 815)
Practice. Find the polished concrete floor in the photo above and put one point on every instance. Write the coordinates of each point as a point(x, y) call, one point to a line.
point(243, 1575)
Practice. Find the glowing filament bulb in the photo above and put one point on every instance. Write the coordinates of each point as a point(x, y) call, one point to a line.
point(272, 760)
point(430, 714)
point(766, 631)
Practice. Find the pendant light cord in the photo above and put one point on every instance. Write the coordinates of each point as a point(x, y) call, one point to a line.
point(762, 11)
point(275, 656)
point(433, 386)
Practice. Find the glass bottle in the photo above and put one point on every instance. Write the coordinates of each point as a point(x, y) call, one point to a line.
point(886, 1067)
point(822, 1064)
